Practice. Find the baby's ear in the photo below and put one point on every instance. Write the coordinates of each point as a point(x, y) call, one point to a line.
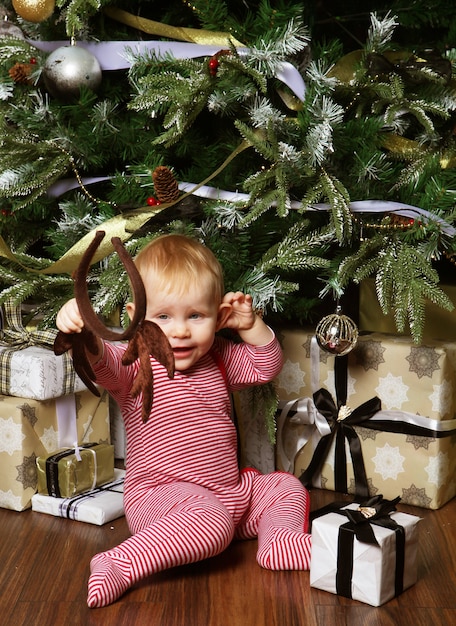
point(130, 309)
point(223, 314)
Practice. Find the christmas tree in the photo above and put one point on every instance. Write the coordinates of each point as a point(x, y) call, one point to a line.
point(309, 146)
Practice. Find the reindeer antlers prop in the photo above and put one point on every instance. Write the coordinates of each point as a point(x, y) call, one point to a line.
point(145, 338)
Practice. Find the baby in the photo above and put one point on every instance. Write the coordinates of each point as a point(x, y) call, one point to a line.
point(185, 497)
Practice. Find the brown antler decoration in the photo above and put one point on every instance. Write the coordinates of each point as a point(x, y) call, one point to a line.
point(145, 338)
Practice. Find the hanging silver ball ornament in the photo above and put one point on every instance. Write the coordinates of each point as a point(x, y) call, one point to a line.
point(69, 68)
point(34, 10)
point(8, 29)
point(337, 333)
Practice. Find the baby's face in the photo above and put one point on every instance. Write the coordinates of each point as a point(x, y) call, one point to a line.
point(189, 321)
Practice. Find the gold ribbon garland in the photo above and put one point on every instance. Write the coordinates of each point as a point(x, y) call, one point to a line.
point(122, 226)
point(192, 35)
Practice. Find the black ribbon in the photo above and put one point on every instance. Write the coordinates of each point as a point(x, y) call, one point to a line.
point(376, 511)
point(341, 430)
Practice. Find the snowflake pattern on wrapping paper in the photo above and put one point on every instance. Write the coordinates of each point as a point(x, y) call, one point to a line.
point(438, 469)
point(27, 473)
point(423, 360)
point(50, 439)
point(291, 378)
point(11, 436)
point(330, 384)
point(442, 398)
point(388, 462)
point(9, 501)
point(369, 354)
point(366, 433)
point(416, 497)
point(29, 413)
point(419, 442)
point(370, 487)
point(392, 391)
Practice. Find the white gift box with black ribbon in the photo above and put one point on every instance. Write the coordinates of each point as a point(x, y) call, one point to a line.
point(374, 572)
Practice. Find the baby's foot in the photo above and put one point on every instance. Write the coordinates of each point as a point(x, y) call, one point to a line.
point(110, 578)
point(288, 550)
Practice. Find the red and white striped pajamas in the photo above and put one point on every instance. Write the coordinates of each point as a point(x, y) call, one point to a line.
point(185, 498)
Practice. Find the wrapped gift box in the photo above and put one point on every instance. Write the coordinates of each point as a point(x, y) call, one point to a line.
point(67, 472)
point(28, 365)
point(370, 573)
point(256, 447)
point(414, 455)
point(30, 428)
point(36, 373)
point(439, 323)
point(98, 506)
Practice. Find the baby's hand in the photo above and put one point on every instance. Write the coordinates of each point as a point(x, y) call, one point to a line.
point(242, 315)
point(69, 319)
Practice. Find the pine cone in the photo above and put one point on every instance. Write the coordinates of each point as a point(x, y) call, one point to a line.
point(166, 188)
point(20, 72)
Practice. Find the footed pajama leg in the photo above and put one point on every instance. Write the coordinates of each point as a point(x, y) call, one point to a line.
point(199, 528)
point(279, 516)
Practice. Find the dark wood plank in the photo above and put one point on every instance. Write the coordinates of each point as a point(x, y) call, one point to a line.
point(45, 565)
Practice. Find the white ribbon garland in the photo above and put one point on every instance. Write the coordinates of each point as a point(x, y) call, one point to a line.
point(213, 193)
point(116, 55)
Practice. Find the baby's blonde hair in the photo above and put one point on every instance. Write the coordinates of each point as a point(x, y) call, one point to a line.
point(179, 263)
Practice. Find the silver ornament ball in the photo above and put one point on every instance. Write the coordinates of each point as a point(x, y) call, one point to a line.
point(337, 333)
point(69, 68)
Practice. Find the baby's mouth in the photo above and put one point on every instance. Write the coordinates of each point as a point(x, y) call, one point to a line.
point(182, 351)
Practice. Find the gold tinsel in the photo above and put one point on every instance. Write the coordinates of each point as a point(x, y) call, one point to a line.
point(166, 187)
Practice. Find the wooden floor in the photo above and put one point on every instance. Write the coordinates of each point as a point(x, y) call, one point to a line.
point(44, 567)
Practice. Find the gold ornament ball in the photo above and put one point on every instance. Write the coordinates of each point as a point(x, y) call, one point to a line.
point(337, 334)
point(34, 10)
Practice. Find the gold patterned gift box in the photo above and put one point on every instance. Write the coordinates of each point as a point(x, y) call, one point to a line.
point(32, 428)
point(411, 452)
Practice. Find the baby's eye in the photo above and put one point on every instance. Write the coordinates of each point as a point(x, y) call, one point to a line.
point(194, 316)
point(163, 316)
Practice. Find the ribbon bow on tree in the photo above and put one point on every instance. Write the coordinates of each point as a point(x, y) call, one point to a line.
point(145, 338)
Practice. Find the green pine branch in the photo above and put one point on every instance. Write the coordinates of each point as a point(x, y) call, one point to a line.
point(404, 280)
point(330, 189)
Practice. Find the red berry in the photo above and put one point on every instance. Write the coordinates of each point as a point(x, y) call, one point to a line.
point(151, 201)
point(213, 66)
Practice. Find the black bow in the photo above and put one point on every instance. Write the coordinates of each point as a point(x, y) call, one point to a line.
point(341, 422)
